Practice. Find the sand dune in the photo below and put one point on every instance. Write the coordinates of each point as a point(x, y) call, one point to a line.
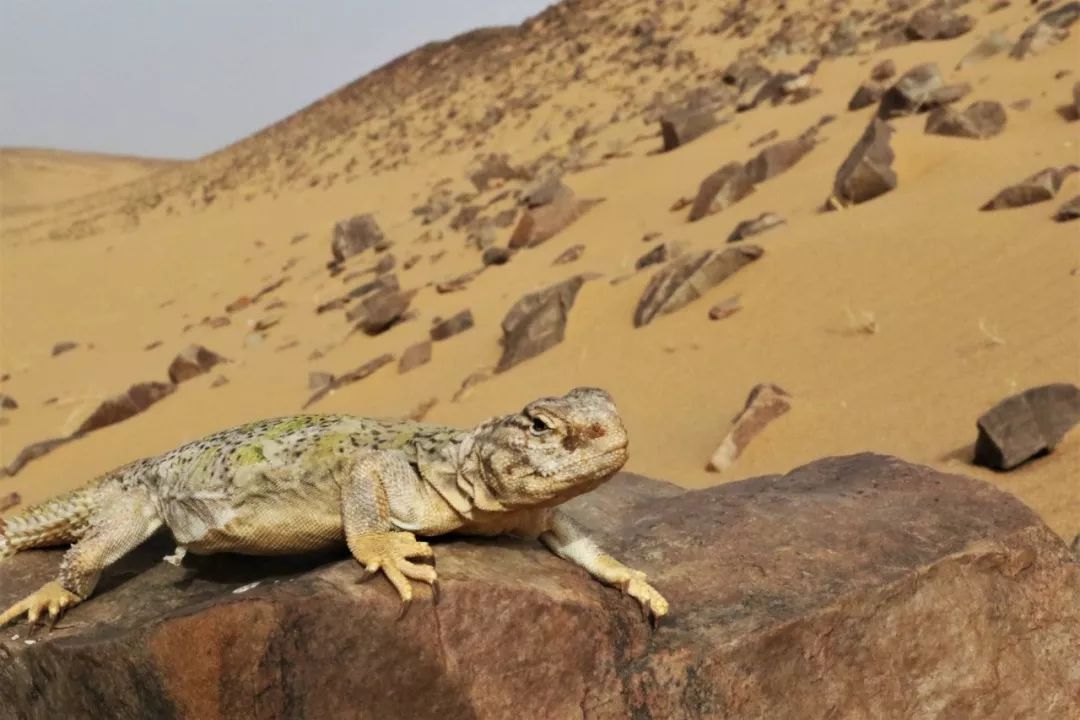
point(893, 324)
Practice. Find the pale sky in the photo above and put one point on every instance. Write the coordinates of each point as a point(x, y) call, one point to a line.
point(183, 78)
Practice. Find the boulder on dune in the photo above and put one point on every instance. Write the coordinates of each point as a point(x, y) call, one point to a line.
point(1026, 425)
point(852, 587)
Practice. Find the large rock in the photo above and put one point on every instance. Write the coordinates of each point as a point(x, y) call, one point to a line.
point(451, 326)
point(537, 322)
point(129, 403)
point(552, 209)
point(1050, 29)
point(378, 312)
point(937, 23)
point(867, 94)
point(680, 127)
point(777, 158)
point(981, 120)
point(852, 587)
point(920, 89)
point(1026, 425)
point(689, 277)
point(867, 171)
point(192, 361)
point(722, 189)
point(356, 235)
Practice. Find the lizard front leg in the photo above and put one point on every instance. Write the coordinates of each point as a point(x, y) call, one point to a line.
point(567, 539)
point(373, 538)
point(123, 520)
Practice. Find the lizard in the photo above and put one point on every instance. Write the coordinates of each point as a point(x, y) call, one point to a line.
point(311, 482)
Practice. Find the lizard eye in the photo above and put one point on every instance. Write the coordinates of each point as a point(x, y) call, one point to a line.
point(539, 426)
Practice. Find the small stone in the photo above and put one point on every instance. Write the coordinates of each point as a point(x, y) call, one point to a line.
point(680, 127)
point(725, 308)
point(63, 346)
point(356, 235)
point(765, 403)
point(1026, 425)
point(192, 361)
point(419, 412)
point(688, 277)
point(219, 381)
point(681, 203)
point(1040, 187)
point(659, 254)
point(414, 356)
point(883, 70)
point(7, 402)
point(120, 407)
point(569, 255)
point(760, 224)
point(720, 190)
point(469, 383)
point(453, 325)
point(1069, 211)
point(9, 501)
point(867, 94)
point(935, 23)
point(351, 377)
point(496, 256)
point(456, 284)
point(919, 90)
point(494, 168)
point(540, 222)
point(993, 44)
point(980, 120)
point(380, 311)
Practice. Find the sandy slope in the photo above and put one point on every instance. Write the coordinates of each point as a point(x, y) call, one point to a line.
point(969, 306)
point(32, 179)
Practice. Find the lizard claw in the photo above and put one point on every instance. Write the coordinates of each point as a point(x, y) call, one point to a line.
point(390, 552)
point(51, 598)
point(652, 603)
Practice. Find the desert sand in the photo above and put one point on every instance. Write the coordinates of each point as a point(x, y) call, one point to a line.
point(893, 324)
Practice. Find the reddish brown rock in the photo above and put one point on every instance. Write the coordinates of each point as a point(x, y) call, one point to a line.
point(659, 254)
point(128, 404)
point(9, 501)
point(7, 402)
point(455, 284)
point(867, 171)
point(537, 322)
point(765, 403)
point(883, 71)
point(980, 120)
point(725, 308)
point(1040, 187)
point(350, 377)
point(380, 311)
point(1026, 425)
point(414, 356)
point(194, 360)
point(63, 346)
point(540, 223)
point(722, 189)
point(937, 23)
point(496, 256)
point(680, 127)
point(777, 158)
point(687, 278)
point(852, 587)
point(452, 326)
point(748, 228)
point(569, 255)
point(920, 89)
point(1069, 211)
point(355, 235)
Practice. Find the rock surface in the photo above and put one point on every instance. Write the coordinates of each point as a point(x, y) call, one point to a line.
point(551, 207)
point(129, 403)
point(756, 226)
point(1040, 187)
point(687, 278)
point(867, 171)
point(1026, 425)
point(852, 587)
point(355, 235)
point(983, 119)
point(451, 326)
point(680, 127)
point(723, 188)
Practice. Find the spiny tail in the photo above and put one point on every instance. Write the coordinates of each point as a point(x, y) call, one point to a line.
point(56, 521)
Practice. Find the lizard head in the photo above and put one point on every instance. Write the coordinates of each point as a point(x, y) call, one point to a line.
point(554, 449)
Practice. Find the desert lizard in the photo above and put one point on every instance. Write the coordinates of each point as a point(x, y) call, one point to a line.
point(309, 482)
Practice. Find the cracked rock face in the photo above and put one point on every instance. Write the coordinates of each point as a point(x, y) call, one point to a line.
point(853, 587)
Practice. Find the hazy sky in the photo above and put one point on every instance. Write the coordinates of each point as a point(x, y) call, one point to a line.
point(172, 78)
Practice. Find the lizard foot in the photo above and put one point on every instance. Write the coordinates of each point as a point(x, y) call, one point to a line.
point(390, 552)
point(51, 598)
point(633, 583)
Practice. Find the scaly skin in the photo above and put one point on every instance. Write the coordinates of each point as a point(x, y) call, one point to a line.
point(315, 481)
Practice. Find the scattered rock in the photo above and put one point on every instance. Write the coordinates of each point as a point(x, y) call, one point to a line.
point(469, 383)
point(9, 501)
point(380, 311)
point(33, 452)
point(194, 360)
point(381, 284)
point(63, 346)
point(980, 120)
point(495, 167)
point(569, 255)
point(1069, 211)
point(128, 404)
point(867, 172)
point(680, 127)
point(457, 283)
point(1040, 187)
point(765, 403)
point(496, 256)
point(747, 228)
point(317, 380)
point(452, 326)
point(937, 23)
point(810, 591)
point(1026, 425)
point(355, 235)
point(505, 218)
point(550, 209)
point(777, 158)
point(217, 322)
point(238, 304)
point(993, 44)
point(537, 322)
point(414, 356)
point(659, 254)
point(725, 308)
point(883, 70)
point(688, 277)
point(680, 204)
point(7, 402)
point(867, 94)
point(219, 381)
point(419, 412)
point(919, 90)
point(1049, 30)
point(350, 377)
point(722, 189)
